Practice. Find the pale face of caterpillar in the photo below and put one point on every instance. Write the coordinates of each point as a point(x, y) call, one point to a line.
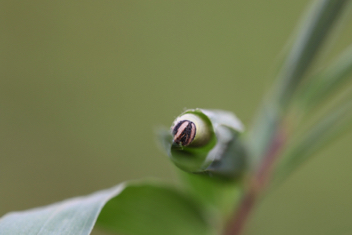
point(184, 132)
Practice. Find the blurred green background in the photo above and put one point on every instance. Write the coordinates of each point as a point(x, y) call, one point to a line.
point(84, 84)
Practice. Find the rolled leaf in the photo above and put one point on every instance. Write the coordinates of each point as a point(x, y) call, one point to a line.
point(207, 142)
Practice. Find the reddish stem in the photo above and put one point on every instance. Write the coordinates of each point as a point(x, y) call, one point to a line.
point(257, 185)
point(242, 213)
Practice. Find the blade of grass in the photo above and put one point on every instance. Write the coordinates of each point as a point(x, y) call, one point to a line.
point(324, 132)
point(312, 33)
point(267, 136)
point(322, 86)
point(319, 89)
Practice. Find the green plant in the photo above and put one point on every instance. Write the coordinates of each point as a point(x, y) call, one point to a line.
point(278, 142)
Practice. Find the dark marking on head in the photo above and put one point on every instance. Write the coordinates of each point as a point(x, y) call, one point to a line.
point(184, 132)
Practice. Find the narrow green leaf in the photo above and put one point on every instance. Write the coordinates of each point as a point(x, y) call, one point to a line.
point(323, 85)
point(324, 132)
point(319, 89)
point(129, 208)
point(311, 34)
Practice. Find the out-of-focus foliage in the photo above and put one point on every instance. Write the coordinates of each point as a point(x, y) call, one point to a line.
point(82, 84)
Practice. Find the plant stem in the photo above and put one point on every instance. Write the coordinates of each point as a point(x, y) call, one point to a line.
point(257, 185)
point(240, 217)
point(269, 134)
point(267, 137)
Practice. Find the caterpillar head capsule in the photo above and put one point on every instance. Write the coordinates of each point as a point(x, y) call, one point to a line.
point(184, 132)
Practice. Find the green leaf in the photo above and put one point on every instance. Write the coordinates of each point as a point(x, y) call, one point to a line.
point(311, 35)
point(219, 197)
point(152, 209)
point(313, 32)
point(323, 85)
point(330, 126)
point(129, 208)
point(324, 132)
